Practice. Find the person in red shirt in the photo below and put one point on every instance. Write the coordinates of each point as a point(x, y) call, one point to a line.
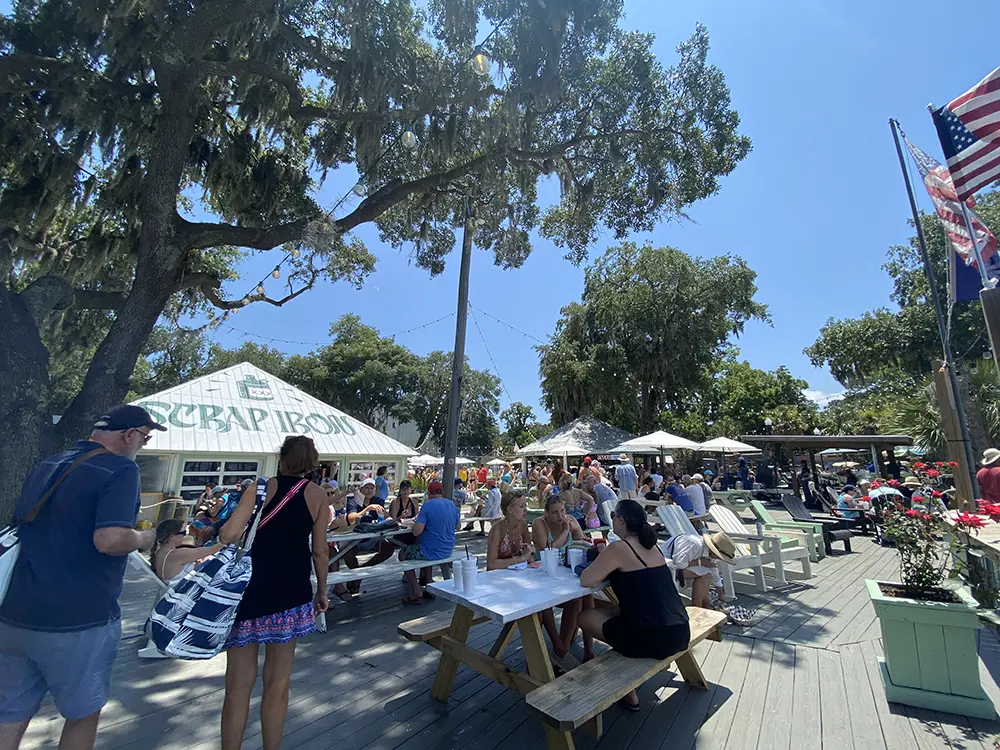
point(482, 473)
point(989, 476)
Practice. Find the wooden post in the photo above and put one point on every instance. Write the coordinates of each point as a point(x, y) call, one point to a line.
point(964, 494)
point(990, 300)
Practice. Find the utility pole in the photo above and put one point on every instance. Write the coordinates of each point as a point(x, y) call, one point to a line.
point(458, 361)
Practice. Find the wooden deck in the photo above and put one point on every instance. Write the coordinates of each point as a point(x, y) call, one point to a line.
point(804, 675)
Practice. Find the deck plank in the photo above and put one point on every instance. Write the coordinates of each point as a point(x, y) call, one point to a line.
point(806, 718)
point(776, 729)
point(750, 707)
point(718, 723)
point(866, 728)
point(834, 709)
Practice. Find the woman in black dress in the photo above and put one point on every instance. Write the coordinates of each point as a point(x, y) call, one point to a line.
point(650, 620)
point(278, 606)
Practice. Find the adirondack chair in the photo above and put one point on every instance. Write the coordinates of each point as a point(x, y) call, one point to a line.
point(813, 531)
point(677, 523)
point(834, 530)
point(138, 562)
point(776, 553)
point(735, 500)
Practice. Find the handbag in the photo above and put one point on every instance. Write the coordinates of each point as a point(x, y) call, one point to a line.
point(10, 545)
point(368, 527)
point(193, 618)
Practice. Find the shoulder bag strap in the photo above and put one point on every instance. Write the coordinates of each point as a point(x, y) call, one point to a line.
point(272, 512)
point(33, 513)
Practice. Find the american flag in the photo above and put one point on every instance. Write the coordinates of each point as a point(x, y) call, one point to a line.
point(969, 129)
point(939, 186)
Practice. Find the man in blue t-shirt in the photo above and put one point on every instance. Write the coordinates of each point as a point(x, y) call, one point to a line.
point(381, 485)
point(434, 531)
point(678, 495)
point(60, 623)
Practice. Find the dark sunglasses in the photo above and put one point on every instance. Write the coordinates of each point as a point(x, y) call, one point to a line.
point(146, 436)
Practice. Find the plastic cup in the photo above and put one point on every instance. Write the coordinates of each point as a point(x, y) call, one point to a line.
point(469, 572)
point(456, 576)
point(575, 558)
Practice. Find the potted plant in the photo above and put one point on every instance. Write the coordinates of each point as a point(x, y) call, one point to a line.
point(928, 628)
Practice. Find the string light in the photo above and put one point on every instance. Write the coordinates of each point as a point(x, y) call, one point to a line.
point(260, 289)
point(359, 190)
point(409, 138)
point(276, 273)
point(295, 252)
point(480, 62)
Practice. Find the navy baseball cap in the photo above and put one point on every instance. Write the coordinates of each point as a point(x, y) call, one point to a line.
point(126, 417)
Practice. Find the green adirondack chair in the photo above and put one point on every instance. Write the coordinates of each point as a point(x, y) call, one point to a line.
point(814, 542)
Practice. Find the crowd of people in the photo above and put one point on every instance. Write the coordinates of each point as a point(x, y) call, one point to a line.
point(77, 514)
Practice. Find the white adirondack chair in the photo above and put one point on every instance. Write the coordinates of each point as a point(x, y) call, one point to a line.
point(138, 562)
point(677, 522)
point(774, 554)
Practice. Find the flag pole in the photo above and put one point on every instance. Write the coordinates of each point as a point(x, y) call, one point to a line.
point(949, 358)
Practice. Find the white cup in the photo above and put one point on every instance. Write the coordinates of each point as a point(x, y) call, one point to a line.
point(575, 557)
point(456, 576)
point(470, 570)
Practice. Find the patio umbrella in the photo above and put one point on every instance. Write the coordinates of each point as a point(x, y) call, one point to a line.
point(725, 445)
point(426, 460)
point(845, 464)
point(496, 462)
point(884, 491)
point(654, 442)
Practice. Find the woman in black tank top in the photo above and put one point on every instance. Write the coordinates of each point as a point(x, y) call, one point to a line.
point(650, 620)
point(278, 606)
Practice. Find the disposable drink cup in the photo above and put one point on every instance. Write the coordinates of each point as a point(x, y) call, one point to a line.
point(575, 557)
point(469, 573)
point(456, 576)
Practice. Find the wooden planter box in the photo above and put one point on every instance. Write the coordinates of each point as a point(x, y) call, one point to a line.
point(931, 659)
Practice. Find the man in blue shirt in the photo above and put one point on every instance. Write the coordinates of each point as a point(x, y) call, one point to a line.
point(60, 623)
point(678, 495)
point(627, 479)
point(434, 531)
point(381, 485)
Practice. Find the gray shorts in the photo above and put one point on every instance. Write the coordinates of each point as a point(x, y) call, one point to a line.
point(75, 667)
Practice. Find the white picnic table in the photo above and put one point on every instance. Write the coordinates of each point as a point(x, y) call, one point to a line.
point(512, 598)
point(347, 541)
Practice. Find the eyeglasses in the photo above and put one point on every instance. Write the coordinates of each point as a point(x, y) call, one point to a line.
point(146, 436)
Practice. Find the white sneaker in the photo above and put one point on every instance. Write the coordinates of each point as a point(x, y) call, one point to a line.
point(566, 662)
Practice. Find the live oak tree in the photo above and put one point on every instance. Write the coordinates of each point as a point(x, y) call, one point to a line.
point(520, 425)
point(146, 146)
point(650, 326)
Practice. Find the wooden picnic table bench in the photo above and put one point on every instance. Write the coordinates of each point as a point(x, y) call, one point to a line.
point(390, 567)
point(582, 694)
point(515, 600)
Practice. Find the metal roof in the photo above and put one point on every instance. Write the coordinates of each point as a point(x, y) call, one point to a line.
point(245, 410)
point(578, 438)
point(816, 442)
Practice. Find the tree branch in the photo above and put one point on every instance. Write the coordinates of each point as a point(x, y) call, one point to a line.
point(210, 286)
point(195, 33)
point(198, 236)
point(51, 292)
point(311, 48)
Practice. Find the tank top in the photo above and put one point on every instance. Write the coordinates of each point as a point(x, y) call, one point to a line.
point(282, 557)
point(647, 597)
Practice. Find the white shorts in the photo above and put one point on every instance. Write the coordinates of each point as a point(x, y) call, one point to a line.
point(628, 495)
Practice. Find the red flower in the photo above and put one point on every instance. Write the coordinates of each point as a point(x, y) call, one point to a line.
point(937, 494)
point(919, 465)
point(953, 464)
point(866, 499)
point(933, 473)
point(969, 521)
point(894, 483)
point(990, 509)
point(876, 485)
point(939, 464)
point(913, 513)
point(927, 516)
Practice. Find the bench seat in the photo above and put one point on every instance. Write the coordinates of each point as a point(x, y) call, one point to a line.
point(431, 626)
point(390, 567)
point(572, 700)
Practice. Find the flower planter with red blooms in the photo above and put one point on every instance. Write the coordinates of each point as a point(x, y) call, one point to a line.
point(929, 630)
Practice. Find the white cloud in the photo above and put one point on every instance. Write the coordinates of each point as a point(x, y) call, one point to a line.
point(821, 398)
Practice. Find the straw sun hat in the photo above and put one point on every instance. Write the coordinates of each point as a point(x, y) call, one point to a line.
point(721, 546)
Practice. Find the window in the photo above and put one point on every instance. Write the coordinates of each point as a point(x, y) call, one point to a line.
point(229, 474)
point(361, 469)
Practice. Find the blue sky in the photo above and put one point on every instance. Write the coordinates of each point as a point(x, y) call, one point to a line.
point(812, 209)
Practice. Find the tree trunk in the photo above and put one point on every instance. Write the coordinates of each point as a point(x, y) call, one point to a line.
point(24, 396)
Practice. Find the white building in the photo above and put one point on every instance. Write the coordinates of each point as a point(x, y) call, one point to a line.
point(229, 425)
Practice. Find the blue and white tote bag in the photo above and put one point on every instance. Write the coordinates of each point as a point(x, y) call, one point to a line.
point(193, 618)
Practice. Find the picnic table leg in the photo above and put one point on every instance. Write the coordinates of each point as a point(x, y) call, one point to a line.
point(691, 672)
point(461, 622)
point(540, 667)
point(506, 632)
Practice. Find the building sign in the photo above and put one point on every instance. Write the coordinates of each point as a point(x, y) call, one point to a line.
point(254, 389)
point(248, 419)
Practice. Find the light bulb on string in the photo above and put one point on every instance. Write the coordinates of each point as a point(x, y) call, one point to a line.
point(409, 138)
point(480, 62)
point(260, 289)
point(295, 252)
point(359, 189)
point(276, 273)
point(987, 354)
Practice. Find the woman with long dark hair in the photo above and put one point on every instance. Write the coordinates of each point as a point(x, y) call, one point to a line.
point(650, 620)
point(170, 558)
point(278, 606)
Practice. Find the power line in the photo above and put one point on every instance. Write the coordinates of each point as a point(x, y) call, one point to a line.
point(488, 353)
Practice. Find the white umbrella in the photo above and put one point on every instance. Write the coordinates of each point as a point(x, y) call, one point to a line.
point(655, 442)
point(463, 461)
point(426, 460)
point(845, 464)
point(726, 445)
point(496, 462)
